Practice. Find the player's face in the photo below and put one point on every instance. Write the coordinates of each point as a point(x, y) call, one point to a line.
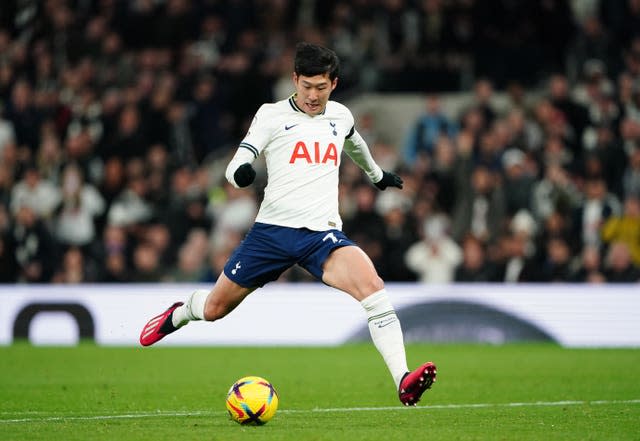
point(313, 92)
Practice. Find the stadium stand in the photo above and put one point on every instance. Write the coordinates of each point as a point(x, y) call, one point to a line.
point(515, 126)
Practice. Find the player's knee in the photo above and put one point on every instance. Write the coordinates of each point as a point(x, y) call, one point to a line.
point(215, 310)
point(373, 285)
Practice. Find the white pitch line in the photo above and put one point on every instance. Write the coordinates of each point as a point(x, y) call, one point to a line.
point(105, 417)
point(316, 410)
point(468, 406)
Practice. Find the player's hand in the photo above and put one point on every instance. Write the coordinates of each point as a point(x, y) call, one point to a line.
point(389, 180)
point(244, 175)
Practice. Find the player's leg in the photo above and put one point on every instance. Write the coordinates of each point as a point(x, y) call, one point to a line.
point(349, 269)
point(211, 305)
point(201, 305)
point(261, 258)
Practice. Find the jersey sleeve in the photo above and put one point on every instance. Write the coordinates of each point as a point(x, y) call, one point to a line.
point(356, 147)
point(260, 131)
point(257, 137)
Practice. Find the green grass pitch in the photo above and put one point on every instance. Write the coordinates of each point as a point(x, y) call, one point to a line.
point(510, 392)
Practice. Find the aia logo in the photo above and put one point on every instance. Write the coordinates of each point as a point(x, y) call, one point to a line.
point(320, 156)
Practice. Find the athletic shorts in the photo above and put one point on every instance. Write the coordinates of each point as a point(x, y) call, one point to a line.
point(268, 250)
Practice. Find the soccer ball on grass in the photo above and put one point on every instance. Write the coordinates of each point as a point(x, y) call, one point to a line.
point(252, 400)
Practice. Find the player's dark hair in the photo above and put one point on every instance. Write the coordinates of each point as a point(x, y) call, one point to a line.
point(312, 60)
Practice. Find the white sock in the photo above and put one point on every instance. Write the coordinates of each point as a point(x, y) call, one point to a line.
point(386, 333)
point(193, 309)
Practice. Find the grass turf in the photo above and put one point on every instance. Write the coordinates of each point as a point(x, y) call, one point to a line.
point(524, 392)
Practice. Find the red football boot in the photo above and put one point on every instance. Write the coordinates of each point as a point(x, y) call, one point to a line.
point(413, 384)
point(158, 327)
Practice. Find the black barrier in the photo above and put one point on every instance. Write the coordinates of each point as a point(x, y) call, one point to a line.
point(460, 321)
point(82, 316)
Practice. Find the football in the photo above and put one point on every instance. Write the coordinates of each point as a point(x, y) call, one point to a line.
point(252, 401)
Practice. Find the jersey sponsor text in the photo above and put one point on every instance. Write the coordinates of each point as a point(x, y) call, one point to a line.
point(330, 154)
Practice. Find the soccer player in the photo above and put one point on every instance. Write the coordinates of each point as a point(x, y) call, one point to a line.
point(302, 139)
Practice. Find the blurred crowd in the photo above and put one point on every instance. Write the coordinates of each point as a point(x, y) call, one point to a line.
point(117, 120)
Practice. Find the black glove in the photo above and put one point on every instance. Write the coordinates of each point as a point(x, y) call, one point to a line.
point(244, 175)
point(388, 180)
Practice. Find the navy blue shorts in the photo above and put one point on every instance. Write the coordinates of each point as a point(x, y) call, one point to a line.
point(268, 250)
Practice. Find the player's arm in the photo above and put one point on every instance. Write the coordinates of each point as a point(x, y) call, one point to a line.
point(356, 147)
point(240, 172)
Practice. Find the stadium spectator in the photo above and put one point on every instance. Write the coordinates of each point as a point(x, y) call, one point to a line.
point(185, 208)
point(625, 228)
point(630, 130)
point(24, 116)
point(209, 138)
point(50, 158)
point(131, 206)
point(574, 113)
point(146, 264)
point(513, 259)
point(192, 258)
point(483, 94)
point(525, 134)
point(129, 140)
point(518, 181)
point(115, 250)
point(631, 177)
point(7, 133)
point(430, 126)
point(435, 257)
point(233, 214)
point(399, 234)
point(158, 235)
point(113, 180)
point(597, 207)
point(514, 251)
point(619, 267)
point(440, 177)
point(479, 208)
point(74, 268)
point(35, 249)
point(556, 225)
point(557, 264)
point(631, 54)
point(81, 205)
point(555, 192)
point(218, 255)
point(490, 149)
point(40, 195)
point(474, 266)
point(157, 174)
point(589, 266)
point(365, 222)
point(612, 158)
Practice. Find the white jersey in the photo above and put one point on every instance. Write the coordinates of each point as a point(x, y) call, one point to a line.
point(302, 154)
